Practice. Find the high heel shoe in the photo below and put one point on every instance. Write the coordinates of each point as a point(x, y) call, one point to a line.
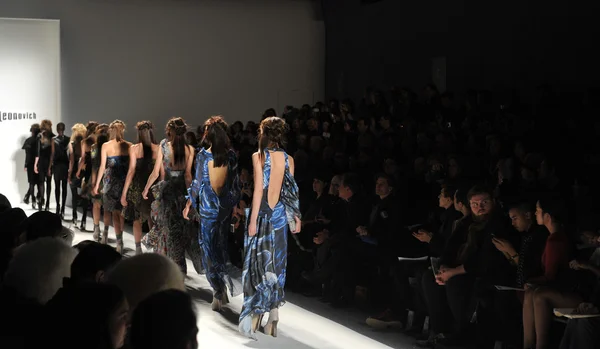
point(96, 236)
point(104, 240)
point(120, 246)
point(270, 328)
point(218, 302)
point(256, 322)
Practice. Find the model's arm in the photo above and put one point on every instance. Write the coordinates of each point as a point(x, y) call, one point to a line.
point(155, 173)
point(130, 173)
point(101, 169)
point(258, 193)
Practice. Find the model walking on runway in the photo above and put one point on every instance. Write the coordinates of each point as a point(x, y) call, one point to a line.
point(30, 147)
point(142, 157)
point(61, 168)
point(74, 152)
point(84, 173)
point(44, 162)
point(275, 205)
point(213, 194)
point(171, 234)
point(114, 163)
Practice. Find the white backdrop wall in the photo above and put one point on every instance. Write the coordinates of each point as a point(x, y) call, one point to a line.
point(153, 59)
point(29, 92)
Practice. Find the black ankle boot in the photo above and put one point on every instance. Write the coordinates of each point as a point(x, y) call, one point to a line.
point(58, 209)
point(26, 200)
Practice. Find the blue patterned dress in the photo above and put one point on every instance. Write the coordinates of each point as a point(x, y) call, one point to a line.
point(265, 254)
point(214, 213)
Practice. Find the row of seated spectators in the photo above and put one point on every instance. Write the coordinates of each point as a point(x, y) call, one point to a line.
point(388, 180)
point(57, 296)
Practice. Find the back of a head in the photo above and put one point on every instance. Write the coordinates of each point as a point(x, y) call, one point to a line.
point(93, 258)
point(43, 224)
point(165, 320)
point(144, 275)
point(38, 268)
point(87, 310)
point(4, 203)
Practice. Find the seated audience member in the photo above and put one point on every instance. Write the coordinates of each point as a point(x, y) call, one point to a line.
point(4, 203)
point(165, 320)
point(45, 224)
point(144, 275)
point(335, 241)
point(10, 221)
point(93, 262)
point(449, 215)
point(527, 257)
point(94, 314)
point(469, 254)
point(33, 276)
point(37, 270)
point(584, 333)
point(552, 289)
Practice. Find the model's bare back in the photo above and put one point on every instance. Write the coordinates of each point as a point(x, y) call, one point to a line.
point(276, 178)
point(217, 176)
point(114, 148)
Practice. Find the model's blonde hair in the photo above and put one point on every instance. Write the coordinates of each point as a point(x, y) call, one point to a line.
point(78, 130)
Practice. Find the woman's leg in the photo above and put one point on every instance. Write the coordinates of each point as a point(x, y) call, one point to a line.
point(544, 301)
point(48, 191)
point(528, 320)
point(118, 221)
point(107, 221)
point(57, 196)
point(74, 201)
point(137, 236)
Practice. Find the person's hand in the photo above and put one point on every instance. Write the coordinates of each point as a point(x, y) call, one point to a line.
point(35, 169)
point(252, 229)
point(25, 169)
point(95, 191)
point(423, 235)
point(576, 265)
point(186, 212)
point(298, 227)
point(443, 276)
point(124, 200)
point(145, 194)
point(586, 309)
point(504, 246)
point(321, 237)
point(362, 231)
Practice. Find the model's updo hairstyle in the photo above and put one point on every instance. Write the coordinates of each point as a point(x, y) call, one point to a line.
point(90, 136)
point(215, 135)
point(116, 130)
point(146, 138)
point(176, 129)
point(272, 132)
point(101, 135)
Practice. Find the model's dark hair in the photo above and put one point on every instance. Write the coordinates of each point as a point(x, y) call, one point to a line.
point(176, 129)
point(146, 138)
point(100, 136)
point(272, 131)
point(215, 136)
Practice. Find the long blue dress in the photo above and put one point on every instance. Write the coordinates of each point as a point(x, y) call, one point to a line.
point(214, 212)
point(265, 254)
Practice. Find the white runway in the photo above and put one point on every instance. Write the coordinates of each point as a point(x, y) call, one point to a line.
point(305, 323)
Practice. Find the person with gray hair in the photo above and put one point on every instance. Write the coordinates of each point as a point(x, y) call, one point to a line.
point(38, 268)
point(144, 275)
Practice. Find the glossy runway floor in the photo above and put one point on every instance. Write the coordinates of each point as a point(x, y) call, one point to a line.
point(305, 323)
